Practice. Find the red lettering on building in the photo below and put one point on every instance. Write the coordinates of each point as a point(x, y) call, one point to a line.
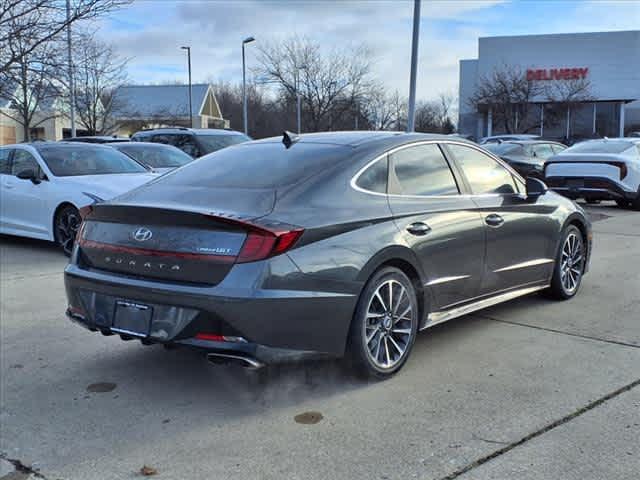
point(544, 74)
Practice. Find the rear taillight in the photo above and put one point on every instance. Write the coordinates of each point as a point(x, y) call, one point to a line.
point(262, 243)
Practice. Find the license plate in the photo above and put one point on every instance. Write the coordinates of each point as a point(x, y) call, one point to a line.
point(575, 184)
point(132, 318)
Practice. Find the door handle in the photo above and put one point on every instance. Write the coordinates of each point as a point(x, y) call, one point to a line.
point(418, 228)
point(494, 220)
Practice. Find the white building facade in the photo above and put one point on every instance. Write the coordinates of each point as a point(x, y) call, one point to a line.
point(608, 61)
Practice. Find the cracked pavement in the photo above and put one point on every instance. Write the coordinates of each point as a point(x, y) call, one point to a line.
point(532, 389)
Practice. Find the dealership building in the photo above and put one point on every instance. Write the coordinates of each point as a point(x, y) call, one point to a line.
point(605, 64)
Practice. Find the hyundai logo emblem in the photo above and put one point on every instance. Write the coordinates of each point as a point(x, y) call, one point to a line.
point(142, 234)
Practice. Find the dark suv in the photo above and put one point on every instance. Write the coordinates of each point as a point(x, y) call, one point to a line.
point(192, 141)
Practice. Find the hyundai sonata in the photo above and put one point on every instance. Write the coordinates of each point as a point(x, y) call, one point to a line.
point(325, 244)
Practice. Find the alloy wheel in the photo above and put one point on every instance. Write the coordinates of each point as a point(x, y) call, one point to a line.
point(571, 262)
point(67, 225)
point(388, 324)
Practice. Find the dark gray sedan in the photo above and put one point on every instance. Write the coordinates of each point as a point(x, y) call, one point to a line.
point(527, 157)
point(327, 244)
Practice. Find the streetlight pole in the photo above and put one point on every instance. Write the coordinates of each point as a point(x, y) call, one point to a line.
point(72, 90)
point(245, 120)
point(298, 105)
point(188, 49)
point(414, 66)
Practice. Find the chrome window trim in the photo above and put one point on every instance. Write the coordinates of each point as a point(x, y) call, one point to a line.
point(531, 263)
point(516, 175)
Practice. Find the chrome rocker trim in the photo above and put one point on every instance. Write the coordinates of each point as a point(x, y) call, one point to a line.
point(442, 316)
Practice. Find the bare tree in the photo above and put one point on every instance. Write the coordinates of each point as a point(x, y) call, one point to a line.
point(509, 94)
point(434, 116)
point(30, 86)
point(512, 97)
point(98, 72)
point(25, 25)
point(329, 83)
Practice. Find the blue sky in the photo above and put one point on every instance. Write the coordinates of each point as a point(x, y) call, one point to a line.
point(150, 32)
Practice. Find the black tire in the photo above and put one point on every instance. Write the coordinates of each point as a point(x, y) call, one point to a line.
point(635, 204)
point(569, 265)
point(65, 226)
point(392, 330)
point(622, 203)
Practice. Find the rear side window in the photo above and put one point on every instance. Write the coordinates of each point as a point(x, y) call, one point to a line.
point(374, 178)
point(558, 148)
point(257, 165)
point(543, 150)
point(422, 170)
point(484, 174)
point(4, 161)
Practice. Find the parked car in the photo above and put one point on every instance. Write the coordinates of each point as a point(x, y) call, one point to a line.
point(158, 157)
point(96, 139)
point(606, 169)
point(195, 142)
point(328, 244)
point(505, 137)
point(45, 184)
point(526, 156)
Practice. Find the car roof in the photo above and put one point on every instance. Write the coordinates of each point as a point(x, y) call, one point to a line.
point(139, 144)
point(532, 142)
point(183, 130)
point(358, 138)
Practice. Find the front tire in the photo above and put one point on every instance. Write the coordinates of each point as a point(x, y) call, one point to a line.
point(384, 326)
point(622, 203)
point(66, 225)
point(569, 266)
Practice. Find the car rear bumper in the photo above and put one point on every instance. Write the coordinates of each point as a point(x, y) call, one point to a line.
point(596, 188)
point(269, 325)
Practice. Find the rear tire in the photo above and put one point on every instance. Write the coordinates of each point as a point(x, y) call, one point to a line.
point(65, 227)
point(622, 203)
point(635, 204)
point(385, 325)
point(569, 265)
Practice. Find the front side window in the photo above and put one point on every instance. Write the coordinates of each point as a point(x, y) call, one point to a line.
point(422, 170)
point(374, 178)
point(484, 174)
point(23, 160)
point(4, 161)
point(87, 159)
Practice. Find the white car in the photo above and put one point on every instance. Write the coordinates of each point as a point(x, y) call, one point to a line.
point(604, 169)
point(43, 186)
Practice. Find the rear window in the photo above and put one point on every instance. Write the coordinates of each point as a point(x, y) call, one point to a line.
point(609, 146)
point(257, 165)
point(212, 143)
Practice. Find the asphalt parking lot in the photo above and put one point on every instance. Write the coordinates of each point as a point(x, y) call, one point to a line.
point(533, 389)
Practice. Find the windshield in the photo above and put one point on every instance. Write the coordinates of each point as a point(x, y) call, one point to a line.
point(257, 165)
point(212, 143)
point(87, 159)
point(505, 148)
point(156, 156)
point(600, 146)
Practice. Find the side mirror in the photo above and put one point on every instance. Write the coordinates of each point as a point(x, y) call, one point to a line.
point(28, 174)
point(535, 187)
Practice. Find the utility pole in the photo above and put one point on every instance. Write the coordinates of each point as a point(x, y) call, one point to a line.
point(245, 120)
point(188, 49)
point(72, 90)
point(414, 66)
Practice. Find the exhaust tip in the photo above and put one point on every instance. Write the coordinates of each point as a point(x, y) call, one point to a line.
point(234, 359)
